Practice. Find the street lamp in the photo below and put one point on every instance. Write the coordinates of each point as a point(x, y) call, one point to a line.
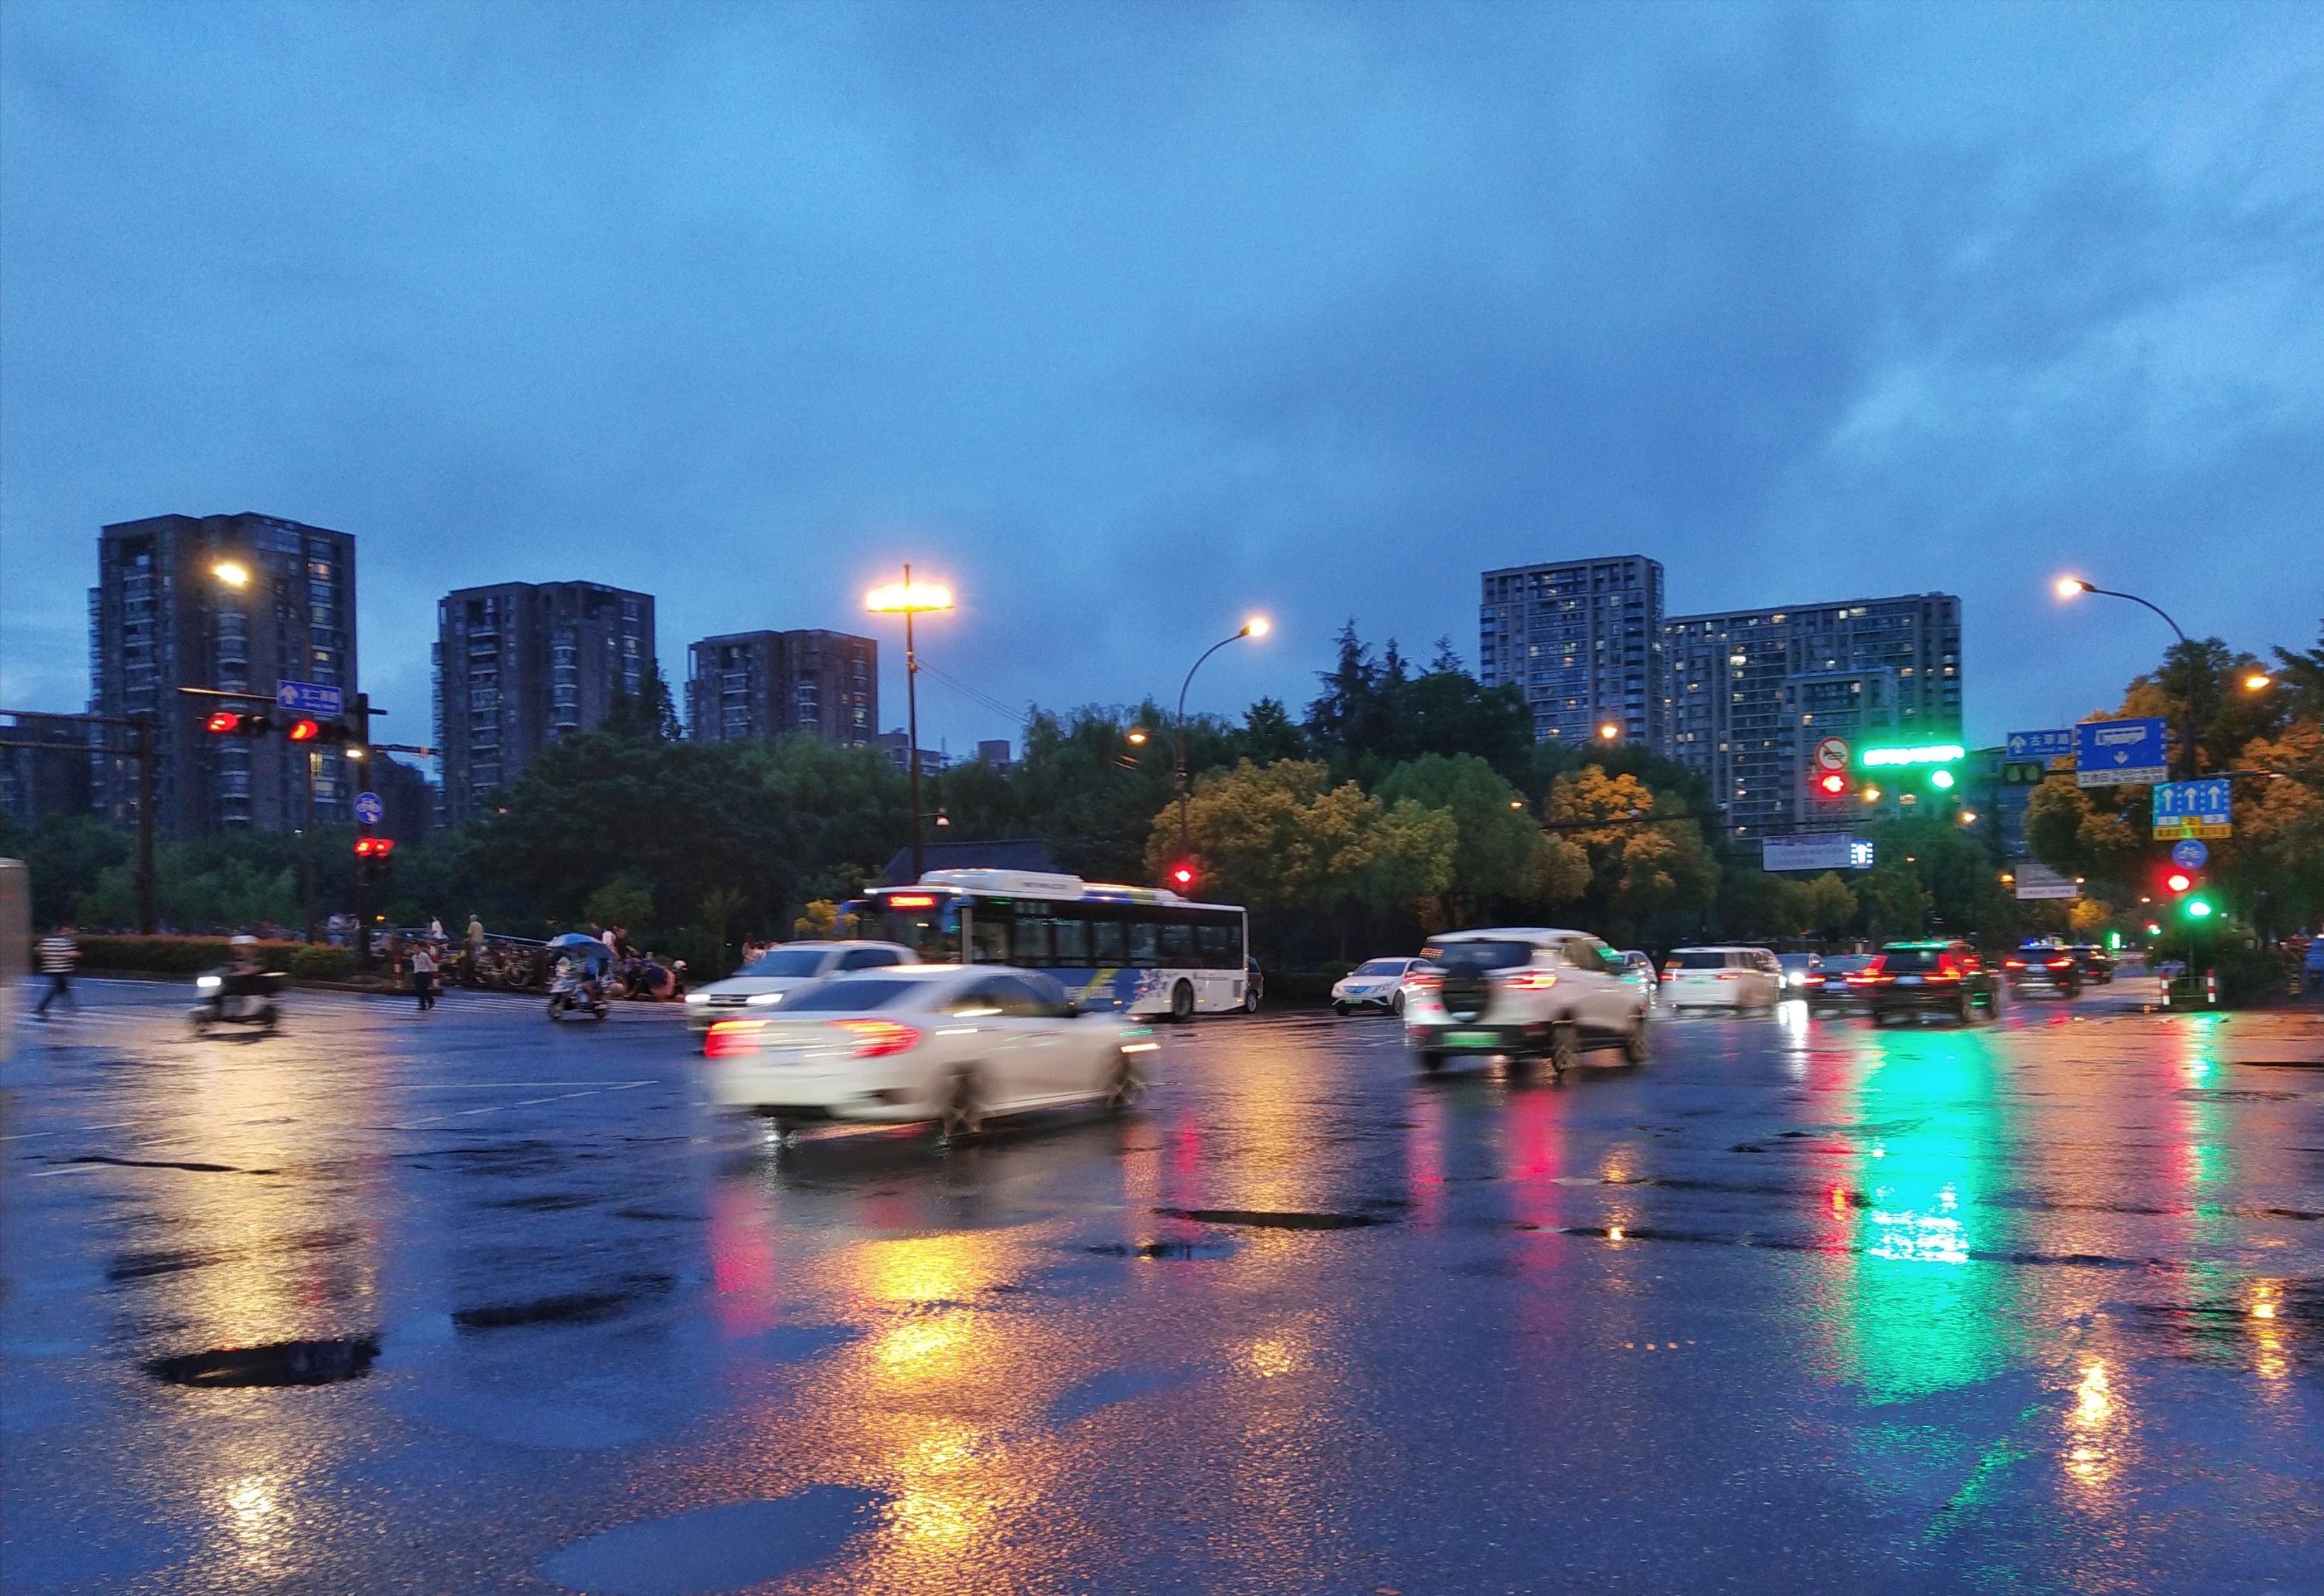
point(908, 598)
point(1608, 732)
point(2256, 683)
point(2074, 587)
point(231, 573)
point(1257, 626)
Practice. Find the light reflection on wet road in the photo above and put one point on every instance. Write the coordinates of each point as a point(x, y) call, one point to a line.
point(1799, 1307)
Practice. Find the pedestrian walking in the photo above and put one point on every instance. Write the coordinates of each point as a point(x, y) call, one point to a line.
point(423, 975)
point(58, 953)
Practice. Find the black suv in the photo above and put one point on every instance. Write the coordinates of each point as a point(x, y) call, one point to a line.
point(1915, 977)
point(2094, 962)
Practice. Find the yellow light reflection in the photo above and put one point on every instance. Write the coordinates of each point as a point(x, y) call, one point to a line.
point(2095, 1431)
point(1272, 1356)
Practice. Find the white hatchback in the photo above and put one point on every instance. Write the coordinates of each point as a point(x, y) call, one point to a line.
point(955, 1044)
point(764, 982)
point(1375, 984)
point(1721, 978)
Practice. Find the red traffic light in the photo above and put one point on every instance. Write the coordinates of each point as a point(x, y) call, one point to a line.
point(375, 847)
point(236, 722)
point(1182, 875)
point(225, 720)
point(2179, 880)
point(304, 731)
point(1832, 782)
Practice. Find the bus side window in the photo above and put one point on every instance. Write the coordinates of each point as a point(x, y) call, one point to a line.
point(1072, 943)
point(1032, 944)
point(1107, 947)
point(1213, 938)
point(1143, 951)
point(1177, 945)
point(988, 937)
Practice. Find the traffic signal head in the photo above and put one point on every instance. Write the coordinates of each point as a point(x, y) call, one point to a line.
point(1183, 875)
point(2199, 908)
point(236, 722)
point(1832, 784)
point(303, 730)
point(375, 847)
point(2179, 880)
point(307, 729)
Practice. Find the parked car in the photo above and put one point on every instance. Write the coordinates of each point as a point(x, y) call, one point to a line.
point(1525, 994)
point(1929, 977)
point(2094, 962)
point(1722, 977)
point(1375, 984)
point(954, 1044)
point(1826, 988)
point(766, 981)
point(2044, 967)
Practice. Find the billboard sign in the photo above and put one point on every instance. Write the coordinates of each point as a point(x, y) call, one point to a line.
point(2036, 882)
point(2119, 754)
point(1822, 849)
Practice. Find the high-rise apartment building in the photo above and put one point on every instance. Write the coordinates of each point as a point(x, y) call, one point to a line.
point(1584, 640)
point(768, 684)
point(1752, 691)
point(168, 612)
point(520, 662)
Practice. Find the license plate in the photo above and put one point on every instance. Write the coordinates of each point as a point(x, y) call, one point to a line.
point(1908, 980)
point(1471, 1039)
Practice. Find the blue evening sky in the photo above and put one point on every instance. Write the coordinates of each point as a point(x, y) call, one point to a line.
point(1131, 319)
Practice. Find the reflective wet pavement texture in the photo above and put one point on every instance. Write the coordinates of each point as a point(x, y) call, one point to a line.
point(474, 1302)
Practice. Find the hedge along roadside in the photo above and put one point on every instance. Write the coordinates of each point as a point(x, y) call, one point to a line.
point(187, 955)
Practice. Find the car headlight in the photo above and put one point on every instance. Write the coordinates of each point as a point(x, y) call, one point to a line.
point(698, 997)
point(207, 982)
point(760, 999)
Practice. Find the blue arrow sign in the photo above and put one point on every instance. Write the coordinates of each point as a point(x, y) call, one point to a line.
point(2042, 745)
point(2205, 803)
point(2119, 754)
point(309, 698)
point(2191, 854)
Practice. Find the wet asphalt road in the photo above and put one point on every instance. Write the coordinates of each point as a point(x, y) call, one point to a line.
point(1799, 1307)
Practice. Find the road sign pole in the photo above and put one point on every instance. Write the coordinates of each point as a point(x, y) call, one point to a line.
point(313, 756)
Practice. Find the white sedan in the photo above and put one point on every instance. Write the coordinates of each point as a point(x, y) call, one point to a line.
point(1375, 984)
point(951, 1043)
point(764, 982)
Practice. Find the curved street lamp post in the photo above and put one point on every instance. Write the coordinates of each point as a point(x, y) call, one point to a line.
point(1257, 626)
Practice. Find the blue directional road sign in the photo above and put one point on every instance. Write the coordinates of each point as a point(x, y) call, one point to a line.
point(2119, 754)
point(368, 808)
point(309, 698)
point(2194, 808)
point(2191, 854)
point(2042, 745)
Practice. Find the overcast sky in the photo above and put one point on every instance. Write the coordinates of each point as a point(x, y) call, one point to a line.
point(1132, 320)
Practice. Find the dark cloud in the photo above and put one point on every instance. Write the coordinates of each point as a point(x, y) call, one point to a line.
point(1131, 319)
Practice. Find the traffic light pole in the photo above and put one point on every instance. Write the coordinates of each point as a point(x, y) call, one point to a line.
point(313, 756)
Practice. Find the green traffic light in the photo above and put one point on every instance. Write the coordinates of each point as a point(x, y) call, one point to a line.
point(1940, 780)
point(2199, 908)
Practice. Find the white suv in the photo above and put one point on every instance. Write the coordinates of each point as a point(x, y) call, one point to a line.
point(1526, 993)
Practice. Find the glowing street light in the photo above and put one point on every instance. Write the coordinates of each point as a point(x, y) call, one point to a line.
point(231, 573)
point(908, 598)
point(2073, 586)
point(1608, 732)
point(1257, 626)
point(2256, 683)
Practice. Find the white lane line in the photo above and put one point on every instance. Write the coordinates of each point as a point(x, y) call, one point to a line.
point(494, 1108)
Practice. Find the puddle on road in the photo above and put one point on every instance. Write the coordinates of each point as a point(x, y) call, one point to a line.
point(1181, 1250)
point(1264, 1219)
point(571, 1307)
point(277, 1363)
point(718, 1548)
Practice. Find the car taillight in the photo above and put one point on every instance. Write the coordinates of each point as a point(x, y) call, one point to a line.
point(1944, 972)
point(2012, 964)
point(730, 1037)
point(2060, 963)
point(1872, 974)
point(1424, 979)
point(1730, 975)
point(1672, 968)
point(1530, 980)
point(877, 1039)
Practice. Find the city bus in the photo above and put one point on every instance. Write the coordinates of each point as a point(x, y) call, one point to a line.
point(1128, 950)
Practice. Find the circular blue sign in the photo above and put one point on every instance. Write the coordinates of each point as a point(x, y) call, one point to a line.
point(2189, 854)
point(368, 808)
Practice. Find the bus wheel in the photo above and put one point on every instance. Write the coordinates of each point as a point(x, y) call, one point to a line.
point(1182, 1003)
